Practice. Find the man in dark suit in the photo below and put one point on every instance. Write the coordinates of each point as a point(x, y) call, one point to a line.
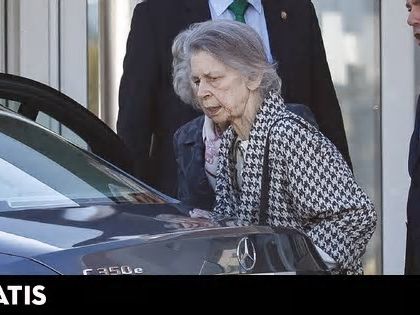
point(412, 256)
point(150, 112)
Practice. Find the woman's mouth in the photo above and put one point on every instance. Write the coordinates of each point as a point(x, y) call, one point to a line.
point(417, 36)
point(212, 111)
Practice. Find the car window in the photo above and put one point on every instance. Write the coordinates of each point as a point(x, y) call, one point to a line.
point(63, 115)
point(39, 169)
point(12, 105)
point(53, 125)
point(19, 190)
point(50, 123)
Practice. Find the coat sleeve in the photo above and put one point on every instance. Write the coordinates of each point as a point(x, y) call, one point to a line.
point(322, 193)
point(193, 186)
point(139, 87)
point(325, 103)
point(182, 180)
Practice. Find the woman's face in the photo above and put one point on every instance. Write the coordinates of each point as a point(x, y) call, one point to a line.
point(413, 7)
point(222, 92)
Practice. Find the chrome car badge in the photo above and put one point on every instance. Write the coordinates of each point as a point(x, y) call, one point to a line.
point(247, 256)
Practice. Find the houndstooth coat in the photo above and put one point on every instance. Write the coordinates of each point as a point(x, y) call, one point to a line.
point(311, 188)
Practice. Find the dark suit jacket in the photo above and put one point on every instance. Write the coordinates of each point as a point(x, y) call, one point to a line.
point(412, 258)
point(149, 106)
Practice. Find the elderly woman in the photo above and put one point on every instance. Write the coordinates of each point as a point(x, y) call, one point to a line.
point(274, 167)
point(196, 144)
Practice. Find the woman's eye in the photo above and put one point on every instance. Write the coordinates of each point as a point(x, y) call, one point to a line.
point(196, 82)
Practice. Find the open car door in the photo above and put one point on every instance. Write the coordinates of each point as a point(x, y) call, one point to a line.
point(40, 102)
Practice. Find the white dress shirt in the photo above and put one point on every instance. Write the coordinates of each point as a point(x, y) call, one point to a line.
point(254, 17)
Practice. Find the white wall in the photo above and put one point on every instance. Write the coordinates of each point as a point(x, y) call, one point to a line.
point(13, 35)
point(73, 51)
point(398, 104)
point(115, 19)
point(34, 42)
point(47, 42)
point(2, 36)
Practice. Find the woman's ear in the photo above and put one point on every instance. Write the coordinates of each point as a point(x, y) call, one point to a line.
point(254, 82)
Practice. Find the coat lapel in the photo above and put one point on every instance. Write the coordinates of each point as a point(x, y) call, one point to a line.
point(245, 206)
point(226, 200)
point(252, 173)
point(197, 10)
point(253, 168)
point(277, 15)
point(414, 155)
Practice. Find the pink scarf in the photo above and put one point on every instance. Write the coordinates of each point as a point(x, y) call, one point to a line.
point(212, 139)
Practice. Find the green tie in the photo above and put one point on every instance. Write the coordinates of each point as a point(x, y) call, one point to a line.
point(238, 8)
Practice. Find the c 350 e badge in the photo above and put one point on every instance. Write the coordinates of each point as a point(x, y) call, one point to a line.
point(113, 271)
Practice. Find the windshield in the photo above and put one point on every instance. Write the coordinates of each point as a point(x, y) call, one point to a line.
point(39, 169)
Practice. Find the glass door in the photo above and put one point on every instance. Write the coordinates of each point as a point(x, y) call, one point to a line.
point(351, 33)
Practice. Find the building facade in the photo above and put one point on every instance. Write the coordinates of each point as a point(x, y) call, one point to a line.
point(78, 46)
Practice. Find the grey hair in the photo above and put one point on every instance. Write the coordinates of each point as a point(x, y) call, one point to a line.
point(235, 44)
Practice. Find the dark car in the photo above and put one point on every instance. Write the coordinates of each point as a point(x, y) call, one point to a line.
point(69, 210)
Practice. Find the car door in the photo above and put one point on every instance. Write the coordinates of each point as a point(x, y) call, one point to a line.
point(42, 103)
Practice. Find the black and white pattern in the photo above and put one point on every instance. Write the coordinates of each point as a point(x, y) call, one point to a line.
point(311, 189)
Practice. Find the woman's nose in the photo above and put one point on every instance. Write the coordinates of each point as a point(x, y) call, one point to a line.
point(410, 19)
point(413, 18)
point(202, 90)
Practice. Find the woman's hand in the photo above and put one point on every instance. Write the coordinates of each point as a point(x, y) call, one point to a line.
point(199, 213)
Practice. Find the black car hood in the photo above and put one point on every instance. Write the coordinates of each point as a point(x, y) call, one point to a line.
point(147, 239)
point(38, 231)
